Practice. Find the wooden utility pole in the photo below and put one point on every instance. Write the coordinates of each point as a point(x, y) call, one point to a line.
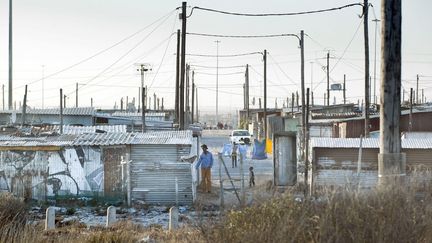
point(10, 56)
point(265, 95)
point(143, 98)
point(76, 95)
point(411, 106)
point(303, 117)
point(193, 98)
point(177, 84)
point(64, 101)
point(197, 112)
point(292, 103)
point(297, 101)
point(391, 162)
point(24, 111)
point(306, 139)
point(367, 80)
point(3, 96)
point(344, 90)
point(328, 78)
point(183, 65)
point(61, 111)
point(422, 97)
point(187, 89)
point(154, 101)
point(247, 90)
point(312, 99)
point(139, 98)
point(91, 102)
point(162, 107)
point(417, 91)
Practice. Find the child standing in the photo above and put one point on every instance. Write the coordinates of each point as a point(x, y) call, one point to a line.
point(251, 177)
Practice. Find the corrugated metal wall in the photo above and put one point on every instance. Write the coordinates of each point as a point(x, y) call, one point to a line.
point(154, 169)
point(338, 166)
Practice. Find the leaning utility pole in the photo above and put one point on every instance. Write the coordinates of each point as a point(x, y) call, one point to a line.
point(177, 84)
point(328, 79)
point(24, 111)
point(367, 80)
point(183, 65)
point(391, 162)
point(10, 56)
point(265, 95)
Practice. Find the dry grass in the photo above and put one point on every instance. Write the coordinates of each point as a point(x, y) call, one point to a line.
point(392, 214)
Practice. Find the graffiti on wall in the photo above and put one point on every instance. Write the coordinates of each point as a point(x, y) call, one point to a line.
point(71, 171)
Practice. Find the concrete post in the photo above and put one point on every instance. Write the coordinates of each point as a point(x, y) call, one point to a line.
point(111, 216)
point(173, 219)
point(50, 218)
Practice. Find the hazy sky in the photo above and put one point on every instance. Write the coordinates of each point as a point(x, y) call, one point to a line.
point(51, 35)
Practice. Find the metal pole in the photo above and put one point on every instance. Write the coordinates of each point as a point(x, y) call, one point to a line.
point(3, 96)
point(76, 95)
point(411, 106)
point(306, 138)
point(242, 189)
point(221, 183)
point(197, 112)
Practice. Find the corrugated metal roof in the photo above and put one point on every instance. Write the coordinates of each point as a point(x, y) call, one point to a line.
point(138, 114)
point(164, 137)
point(73, 111)
point(106, 139)
point(367, 143)
point(102, 139)
point(91, 129)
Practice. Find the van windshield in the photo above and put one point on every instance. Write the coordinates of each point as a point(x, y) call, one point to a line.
point(240, 133)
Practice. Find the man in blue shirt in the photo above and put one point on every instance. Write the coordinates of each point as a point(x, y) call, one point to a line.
point(206, 162)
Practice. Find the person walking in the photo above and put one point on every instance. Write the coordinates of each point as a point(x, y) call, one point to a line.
point(234, 155)
point(206, 162)
point(251, 177)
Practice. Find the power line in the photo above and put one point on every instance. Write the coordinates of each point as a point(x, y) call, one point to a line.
point(233, 55)
point(234, 73)
point(124, 55)
point(202, 66)
point(280, 68)
point(274, 14)
point(98, 53)
point(243, 36)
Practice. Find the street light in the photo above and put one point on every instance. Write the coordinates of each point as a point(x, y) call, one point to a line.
point(142, 67)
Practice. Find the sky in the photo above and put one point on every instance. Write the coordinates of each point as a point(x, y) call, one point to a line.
point(98, 45)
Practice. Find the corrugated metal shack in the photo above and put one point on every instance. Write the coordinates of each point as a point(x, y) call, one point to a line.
point(335, 160)
point(89, 164)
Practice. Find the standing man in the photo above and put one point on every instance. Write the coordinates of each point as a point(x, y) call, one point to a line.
point(206, 162)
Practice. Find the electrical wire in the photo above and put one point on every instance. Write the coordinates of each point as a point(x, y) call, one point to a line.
point(233, 55)
point(98, 53)
point(124, 55)
point(220, 74)
point(214, 67)
point(163, 57)
point(280, 68)
point(274, 14)
point(244, 36)
point(346, 48)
